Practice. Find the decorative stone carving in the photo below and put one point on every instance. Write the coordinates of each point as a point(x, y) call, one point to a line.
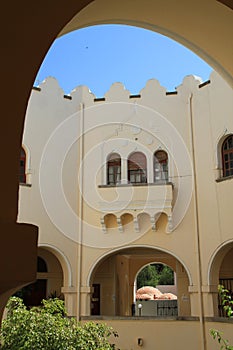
point(119, 223)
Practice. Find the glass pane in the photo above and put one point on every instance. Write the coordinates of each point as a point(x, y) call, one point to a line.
point(118, 169)
point(144, 179)
point(111, 178)
point(226, 157)
point(231, 156)
point(230, 143)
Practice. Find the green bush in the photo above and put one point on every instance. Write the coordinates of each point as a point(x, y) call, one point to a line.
point(227, 303)
point(48, 328)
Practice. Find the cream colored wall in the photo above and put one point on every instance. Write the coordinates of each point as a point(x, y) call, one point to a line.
point(159, 334)
point(212, 120)
point(54, 274)
point(155, 120)
point(106, 277)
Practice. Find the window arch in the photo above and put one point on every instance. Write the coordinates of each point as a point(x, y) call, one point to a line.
point(22, 166)
point(114, 169)
point(227, 156)
point(137, 168)
point(41, 265)
point(160, 166)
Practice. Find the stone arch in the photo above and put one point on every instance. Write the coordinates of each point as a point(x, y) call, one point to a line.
point(63, 260)
point(137, 167)
point(169, 25)
point(125, 262)
point(110, 221)
point(162, 292)
point(212, 48)
point(144, 221)
point(160, 166)
point(220, 271)
point(113, 168)
point(49, 279)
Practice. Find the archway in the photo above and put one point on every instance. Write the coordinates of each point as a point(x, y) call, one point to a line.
point(113, 280)
point(31, 46)
point(49, 280)
point(221, 273)
point(155, 292)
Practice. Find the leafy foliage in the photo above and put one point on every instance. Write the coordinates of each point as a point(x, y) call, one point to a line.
point(224, 344)
point(47, 328)
point(226, 300)
point(227, 303)
point(154, 274)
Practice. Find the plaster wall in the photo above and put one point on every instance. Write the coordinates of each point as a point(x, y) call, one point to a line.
point(78, 132)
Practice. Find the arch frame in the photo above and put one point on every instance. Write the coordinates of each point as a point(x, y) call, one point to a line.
point(223, 250)
point(63, 260)
point(167, 26)
point(114, 251)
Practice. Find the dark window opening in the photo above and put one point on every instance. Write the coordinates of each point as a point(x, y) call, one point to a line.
point(22, 166)
point(41, 265)
point(137, 169)
point(227, 156)
point(114, 169)
point(160, 166)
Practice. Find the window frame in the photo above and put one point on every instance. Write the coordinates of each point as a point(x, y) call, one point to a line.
point(114, 163)
point(22, 167)
point(162, 169)
point(227, 157)
point(137, 170)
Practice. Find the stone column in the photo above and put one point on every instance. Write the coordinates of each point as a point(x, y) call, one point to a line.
point(124, 170)
point(70, 295)
point(86, 293)
point(210, 300)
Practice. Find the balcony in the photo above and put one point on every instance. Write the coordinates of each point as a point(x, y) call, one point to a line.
point(134, 200)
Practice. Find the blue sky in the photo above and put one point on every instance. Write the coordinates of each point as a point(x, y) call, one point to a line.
point(98, 56)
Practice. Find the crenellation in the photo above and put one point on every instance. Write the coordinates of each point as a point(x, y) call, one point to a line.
point(118, 92)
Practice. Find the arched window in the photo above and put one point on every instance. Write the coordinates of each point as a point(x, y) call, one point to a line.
point(227, 156)
point(41, 265)
point(137, 171)
point(114, 169)
point(160, 166)
point(22, 166)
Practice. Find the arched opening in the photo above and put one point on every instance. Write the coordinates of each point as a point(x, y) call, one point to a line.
point(110, 221)
point(227, 156)
point(22, 166)
point(114, 169)
point(35, 43)
point(160, 166)
point(114, 279)
point(137, 168)
point(48, 283)
point(226, 278)
point(221, 273)
point(144, 222)
point(156, 283)
point(126, 219)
